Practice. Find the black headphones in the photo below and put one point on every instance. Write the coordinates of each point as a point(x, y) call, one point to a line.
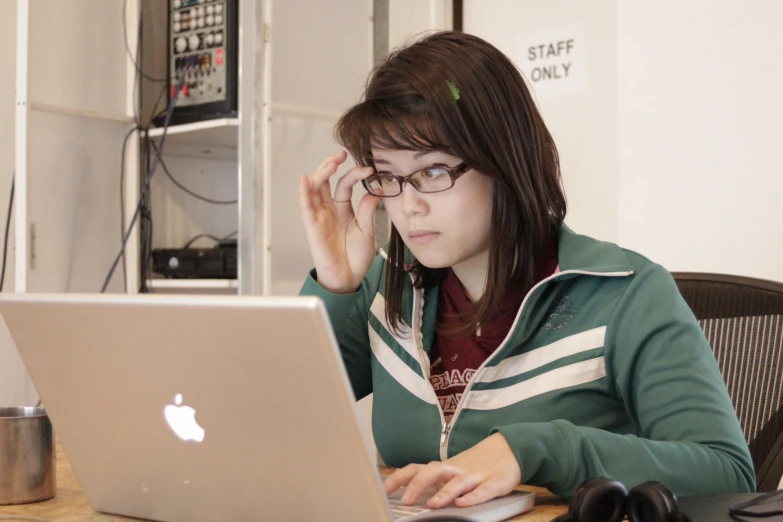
point(606, 500)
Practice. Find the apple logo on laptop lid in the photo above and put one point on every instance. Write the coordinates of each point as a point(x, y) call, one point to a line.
point(182, 421)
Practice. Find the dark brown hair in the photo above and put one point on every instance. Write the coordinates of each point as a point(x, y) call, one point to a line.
point(455, 93)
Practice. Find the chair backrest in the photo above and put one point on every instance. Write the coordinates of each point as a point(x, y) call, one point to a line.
point(742, 319)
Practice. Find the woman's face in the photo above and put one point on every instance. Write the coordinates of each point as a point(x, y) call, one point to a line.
point(443, 229)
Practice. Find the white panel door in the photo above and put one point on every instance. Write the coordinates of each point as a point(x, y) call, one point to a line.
point(72, 115)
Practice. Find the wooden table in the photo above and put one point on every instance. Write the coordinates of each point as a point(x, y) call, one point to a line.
point(70, 505)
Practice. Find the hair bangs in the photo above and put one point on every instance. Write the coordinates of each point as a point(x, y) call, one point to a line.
point(405, 124)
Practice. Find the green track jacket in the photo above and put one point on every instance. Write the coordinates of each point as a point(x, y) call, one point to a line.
point(605, 372)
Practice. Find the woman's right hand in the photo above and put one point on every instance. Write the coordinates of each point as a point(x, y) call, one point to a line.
point(342, 241)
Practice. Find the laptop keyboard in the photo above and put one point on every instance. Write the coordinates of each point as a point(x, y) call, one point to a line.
point(400, 510)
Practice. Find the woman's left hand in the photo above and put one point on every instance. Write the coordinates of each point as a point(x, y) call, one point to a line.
point(487, 470)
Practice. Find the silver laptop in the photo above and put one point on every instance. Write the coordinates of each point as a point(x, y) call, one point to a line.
point(208, 408)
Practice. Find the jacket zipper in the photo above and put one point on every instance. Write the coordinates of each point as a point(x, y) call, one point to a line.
point(444, 435)
point(418, 298)
point(446, 431)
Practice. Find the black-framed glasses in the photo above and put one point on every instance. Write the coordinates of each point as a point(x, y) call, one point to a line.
point(434, 178)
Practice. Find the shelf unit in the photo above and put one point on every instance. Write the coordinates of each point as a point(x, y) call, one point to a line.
point(232, 149)
point(211, 140)
point(290, 135)
point(217, 286)
point(221, 132)
point(76, 101)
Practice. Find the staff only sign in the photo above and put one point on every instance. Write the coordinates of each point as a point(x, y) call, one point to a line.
point(553, 61)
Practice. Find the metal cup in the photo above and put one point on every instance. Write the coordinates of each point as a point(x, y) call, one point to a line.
point(27, 458)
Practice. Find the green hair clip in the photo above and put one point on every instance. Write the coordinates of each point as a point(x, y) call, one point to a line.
point(453, 89)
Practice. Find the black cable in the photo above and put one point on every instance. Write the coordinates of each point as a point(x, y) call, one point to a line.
point(145, 222)
point(146, 253)
point(150, 228)
point(136, 119)
point(143, 170)
point(210, 236)
point(148, 222)
point(127, 47)
point(122, 201)
point(187, 190)
point(7, 228)
point(145, 226)
point(155, 162)
point(137, 66)
point(194, 239)
point(160, 112)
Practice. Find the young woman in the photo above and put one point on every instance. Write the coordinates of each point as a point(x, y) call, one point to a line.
point(500, 346)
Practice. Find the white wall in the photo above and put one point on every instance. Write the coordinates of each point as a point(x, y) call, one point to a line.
point(671, 150)
point(700, 137)
point(583, 125)
point(409, 19)
point(15, 386)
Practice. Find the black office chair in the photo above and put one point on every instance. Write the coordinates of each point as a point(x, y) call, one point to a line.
point(742, 319)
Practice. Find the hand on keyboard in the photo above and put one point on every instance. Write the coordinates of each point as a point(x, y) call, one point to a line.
point(487, 470)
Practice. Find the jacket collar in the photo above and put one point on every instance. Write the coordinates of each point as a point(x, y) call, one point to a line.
point(582, 253)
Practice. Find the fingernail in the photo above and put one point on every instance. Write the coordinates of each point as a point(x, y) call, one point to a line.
point(437, 499)
point(406, 498)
